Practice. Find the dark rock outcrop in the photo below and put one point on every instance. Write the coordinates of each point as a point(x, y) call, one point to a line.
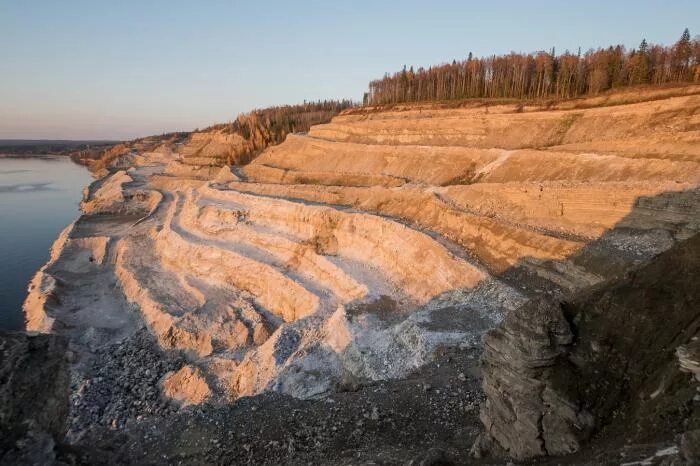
point(34, 390)
point(529, 410)
point(603, 362)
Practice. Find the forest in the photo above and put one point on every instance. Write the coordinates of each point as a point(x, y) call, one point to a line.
point(261, 128)
point(542, 74)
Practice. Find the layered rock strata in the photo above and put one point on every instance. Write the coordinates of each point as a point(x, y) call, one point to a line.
point(353, 252)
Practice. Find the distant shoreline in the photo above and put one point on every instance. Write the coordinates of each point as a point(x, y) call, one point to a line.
point(32, 156)
point(46, 149)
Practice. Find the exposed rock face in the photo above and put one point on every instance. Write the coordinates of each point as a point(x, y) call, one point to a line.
point(603, 361)
point(213, 148)
point(629, 130)
point(528, 411)
point(353, 252)
point(34, 390)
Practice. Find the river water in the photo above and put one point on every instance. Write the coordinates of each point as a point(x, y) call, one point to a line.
point(39, 196)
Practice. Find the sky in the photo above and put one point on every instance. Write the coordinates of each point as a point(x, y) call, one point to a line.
point(119, 70)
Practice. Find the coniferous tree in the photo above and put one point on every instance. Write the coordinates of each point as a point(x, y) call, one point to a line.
point(682, 54)
point(542, 74)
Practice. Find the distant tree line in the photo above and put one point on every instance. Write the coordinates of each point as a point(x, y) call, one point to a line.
point(542, 74)
point(49, 147)
point(261, 128)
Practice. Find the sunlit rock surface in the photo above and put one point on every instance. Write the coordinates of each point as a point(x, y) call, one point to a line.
point(353, 252)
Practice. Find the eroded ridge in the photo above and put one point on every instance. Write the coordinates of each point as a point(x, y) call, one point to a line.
point(354, 251)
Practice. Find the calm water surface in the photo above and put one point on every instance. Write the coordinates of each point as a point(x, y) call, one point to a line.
point(39, 196)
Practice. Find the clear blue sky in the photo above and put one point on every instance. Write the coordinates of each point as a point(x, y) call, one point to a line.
point(121, 69)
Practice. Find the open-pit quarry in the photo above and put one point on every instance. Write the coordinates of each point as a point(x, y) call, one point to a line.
point(359, 252)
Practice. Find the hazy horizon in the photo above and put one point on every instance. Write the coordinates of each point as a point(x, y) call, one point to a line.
point(103, 71)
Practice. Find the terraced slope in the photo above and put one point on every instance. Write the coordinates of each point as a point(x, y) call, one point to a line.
point(355, 251)
point(210, 148)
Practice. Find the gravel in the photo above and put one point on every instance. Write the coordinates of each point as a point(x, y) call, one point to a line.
point(119, 385)
point(387, 422)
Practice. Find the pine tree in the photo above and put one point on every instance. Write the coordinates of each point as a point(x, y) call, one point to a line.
point(643, 46)
point(682, 54)
point(685, 37)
